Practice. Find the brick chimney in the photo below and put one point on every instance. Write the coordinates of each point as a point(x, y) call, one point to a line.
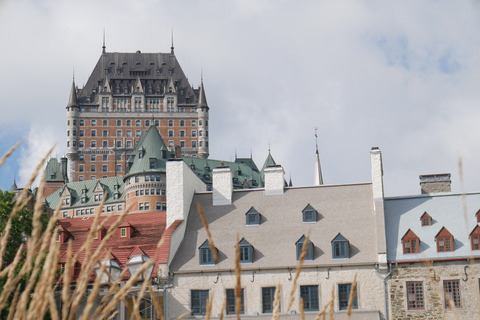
point(435, 183)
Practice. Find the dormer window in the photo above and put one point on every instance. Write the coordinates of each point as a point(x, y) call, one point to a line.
point(299, 245)
point(125, 230)
point(140, 154)
point(104, 89)
point(253, 217)
point(153, 163)
point(309, 214)
point(426, 219)
point(235, 180)
point(477, 215)
point(192, 167)
point(340, 247)
point(98, 197)
point(475, 237)
point(246, 251)
point(207, 169)
point(253, 183)
point(206, 255)
point(444, 241)
point(411, 243)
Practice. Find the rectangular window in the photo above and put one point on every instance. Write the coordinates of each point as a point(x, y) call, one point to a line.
point(119, 167)
point(268, 295)
point(93, 144)
point(444, 244)
point(104, 168)
point(199, 302)
point(415, 295)
point(344, 295)
point(93, 133)
point(93, 168)
point(105, 144)
point(231, 302)
point(452, 293)
point(105, 133)
point(206, 256)
point(309, 294)
point(123, 232)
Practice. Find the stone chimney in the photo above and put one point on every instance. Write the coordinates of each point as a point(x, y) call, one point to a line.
point(222, 186)
point(274, 180)
point(435, 183)
point(178, 152)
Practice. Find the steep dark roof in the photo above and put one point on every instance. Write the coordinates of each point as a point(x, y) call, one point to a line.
point(124, 70)
point(53, 171)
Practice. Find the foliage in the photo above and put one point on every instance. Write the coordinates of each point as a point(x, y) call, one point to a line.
point(21, 224)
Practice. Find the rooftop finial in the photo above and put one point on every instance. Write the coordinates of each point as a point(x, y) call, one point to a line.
point(269, 147)
point(172, 47)
point(316, 139)
point(201, 76)
point(104, 47)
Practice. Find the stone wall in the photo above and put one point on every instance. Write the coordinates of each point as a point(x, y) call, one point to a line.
point(433, 277)
point(370, 289)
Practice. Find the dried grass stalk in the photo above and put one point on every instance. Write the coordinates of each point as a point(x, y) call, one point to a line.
point(353, 293)
point(331, 313)
point(208, 312)
point(302, 309)
point(223, 308)
point(276, 302)
point(301, 259)
point(238, 285)
point(209, 235)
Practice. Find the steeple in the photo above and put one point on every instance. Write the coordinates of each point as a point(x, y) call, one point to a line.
point(104, 47)
point(72, 101)
point(172, 52)
point(318, 170)
point(14, 186)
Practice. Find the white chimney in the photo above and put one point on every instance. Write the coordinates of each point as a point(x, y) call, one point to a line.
point(377, 173)
point(274, 180)
point(222, 186)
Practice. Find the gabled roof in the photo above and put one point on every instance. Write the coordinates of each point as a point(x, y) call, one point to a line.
point(75, 189)
point(425, 215)
point(268, 162)
point(339, 237)
point(443, 233)
point(151, 227)
point(409, 235)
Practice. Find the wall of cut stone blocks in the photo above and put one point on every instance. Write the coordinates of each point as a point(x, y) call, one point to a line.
point(433, 276)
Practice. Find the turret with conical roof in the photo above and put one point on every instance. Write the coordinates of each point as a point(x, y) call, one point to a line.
point(147, 172)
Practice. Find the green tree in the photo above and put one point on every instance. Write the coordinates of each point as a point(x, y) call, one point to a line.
point(20, 231)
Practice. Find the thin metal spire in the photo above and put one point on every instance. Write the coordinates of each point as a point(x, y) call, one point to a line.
point(104, 47)
point(318, 179)
point(316, 140)
point(172, 47)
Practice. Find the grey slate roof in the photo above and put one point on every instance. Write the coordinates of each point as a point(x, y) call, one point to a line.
point(345, 209)
point(403, 213)
point(124, 70)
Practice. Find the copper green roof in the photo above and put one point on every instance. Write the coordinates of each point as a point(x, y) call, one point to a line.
point(53, 171)
point(14, 186)
point(268, 162)
point(150, 153)
point(241, 171)
point(248, 161)
point(75, 188)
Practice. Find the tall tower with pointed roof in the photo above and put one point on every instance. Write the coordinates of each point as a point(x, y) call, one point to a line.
point(125, 94)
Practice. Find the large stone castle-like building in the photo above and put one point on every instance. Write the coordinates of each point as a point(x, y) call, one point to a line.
point(124, 95)
point(137, 138)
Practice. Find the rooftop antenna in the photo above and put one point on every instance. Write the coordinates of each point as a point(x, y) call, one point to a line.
point(316, 140)
point(269, 147)
point(104, 47)
point(235, 153)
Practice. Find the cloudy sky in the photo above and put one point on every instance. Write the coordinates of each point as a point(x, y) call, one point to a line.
point(400, 75)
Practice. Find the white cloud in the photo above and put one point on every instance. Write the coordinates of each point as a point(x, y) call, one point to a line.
point(400, 75)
